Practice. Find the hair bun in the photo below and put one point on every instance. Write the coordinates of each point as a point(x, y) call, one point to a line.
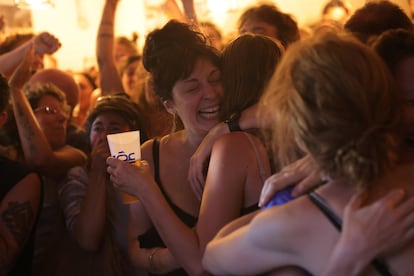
point(174, 38)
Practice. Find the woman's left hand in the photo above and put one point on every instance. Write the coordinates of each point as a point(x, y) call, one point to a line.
point(130, 178)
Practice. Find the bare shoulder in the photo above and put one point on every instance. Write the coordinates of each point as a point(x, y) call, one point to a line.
point(296, 223)
point(235, 142)
point(146, 149)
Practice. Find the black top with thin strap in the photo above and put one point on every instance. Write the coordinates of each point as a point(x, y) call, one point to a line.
point(379, 265)
point(151, 238)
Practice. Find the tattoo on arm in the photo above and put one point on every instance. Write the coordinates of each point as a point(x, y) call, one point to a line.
point(18, 217)
point(29, 131)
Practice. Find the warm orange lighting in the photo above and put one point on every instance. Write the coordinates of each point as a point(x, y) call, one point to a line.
point(33, 4)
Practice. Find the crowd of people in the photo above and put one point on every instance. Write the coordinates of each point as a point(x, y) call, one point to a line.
point(280, 151)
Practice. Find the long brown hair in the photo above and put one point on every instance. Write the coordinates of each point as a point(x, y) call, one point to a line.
point(336, 100)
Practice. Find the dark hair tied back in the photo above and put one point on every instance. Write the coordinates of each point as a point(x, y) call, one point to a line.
point(174, 34)
point(171, 52)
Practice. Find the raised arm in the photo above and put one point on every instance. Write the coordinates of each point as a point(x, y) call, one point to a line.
point(110, 80)
point(37, 151)
point(173, 11)
point(44, 43)
point(190, 13)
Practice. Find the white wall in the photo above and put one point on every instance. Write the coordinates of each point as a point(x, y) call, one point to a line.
point(78, 40)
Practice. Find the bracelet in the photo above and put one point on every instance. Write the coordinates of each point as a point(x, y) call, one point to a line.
point(151, 264)
point(233, 122)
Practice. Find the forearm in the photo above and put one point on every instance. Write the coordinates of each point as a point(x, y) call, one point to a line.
point(110, 80)
point(173, 11)
point(36, 148)
point(236, 224)
point(89, 226)
point(181, 240)
point(139, 223)
point(155, 260)
point(10, 60)
point(248, 118)
point(228, 256)
point(190, 13)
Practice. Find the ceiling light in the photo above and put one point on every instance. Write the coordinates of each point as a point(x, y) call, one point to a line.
point(33, 4)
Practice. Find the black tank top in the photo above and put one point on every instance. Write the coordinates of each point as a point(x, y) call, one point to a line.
point(151, 238)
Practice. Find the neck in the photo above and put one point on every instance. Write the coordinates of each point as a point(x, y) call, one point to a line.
point(189, 140)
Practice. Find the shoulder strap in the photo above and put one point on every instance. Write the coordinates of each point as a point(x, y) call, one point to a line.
point(156, 158)
point(323, 206)
point(184, 216)
point(261, 168)
point(379, 265)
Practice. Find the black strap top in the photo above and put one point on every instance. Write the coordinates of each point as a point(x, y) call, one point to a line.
point(188, 219)
point(379, 265)
point(151, 238)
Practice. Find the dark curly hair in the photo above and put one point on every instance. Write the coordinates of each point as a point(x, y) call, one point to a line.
point(34, 93)
point(170, 54)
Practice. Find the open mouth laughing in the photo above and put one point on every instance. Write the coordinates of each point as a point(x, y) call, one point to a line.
point(210, 112)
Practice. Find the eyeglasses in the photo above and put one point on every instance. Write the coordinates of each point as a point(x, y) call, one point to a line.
point(51, 110)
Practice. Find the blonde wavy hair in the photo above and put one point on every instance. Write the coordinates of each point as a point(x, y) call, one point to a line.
point(332, 97)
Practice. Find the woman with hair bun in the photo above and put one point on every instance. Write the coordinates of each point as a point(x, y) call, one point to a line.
point(234, 178)
point(186, 76)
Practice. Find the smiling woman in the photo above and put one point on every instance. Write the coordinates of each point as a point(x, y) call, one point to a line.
point(186, 76)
